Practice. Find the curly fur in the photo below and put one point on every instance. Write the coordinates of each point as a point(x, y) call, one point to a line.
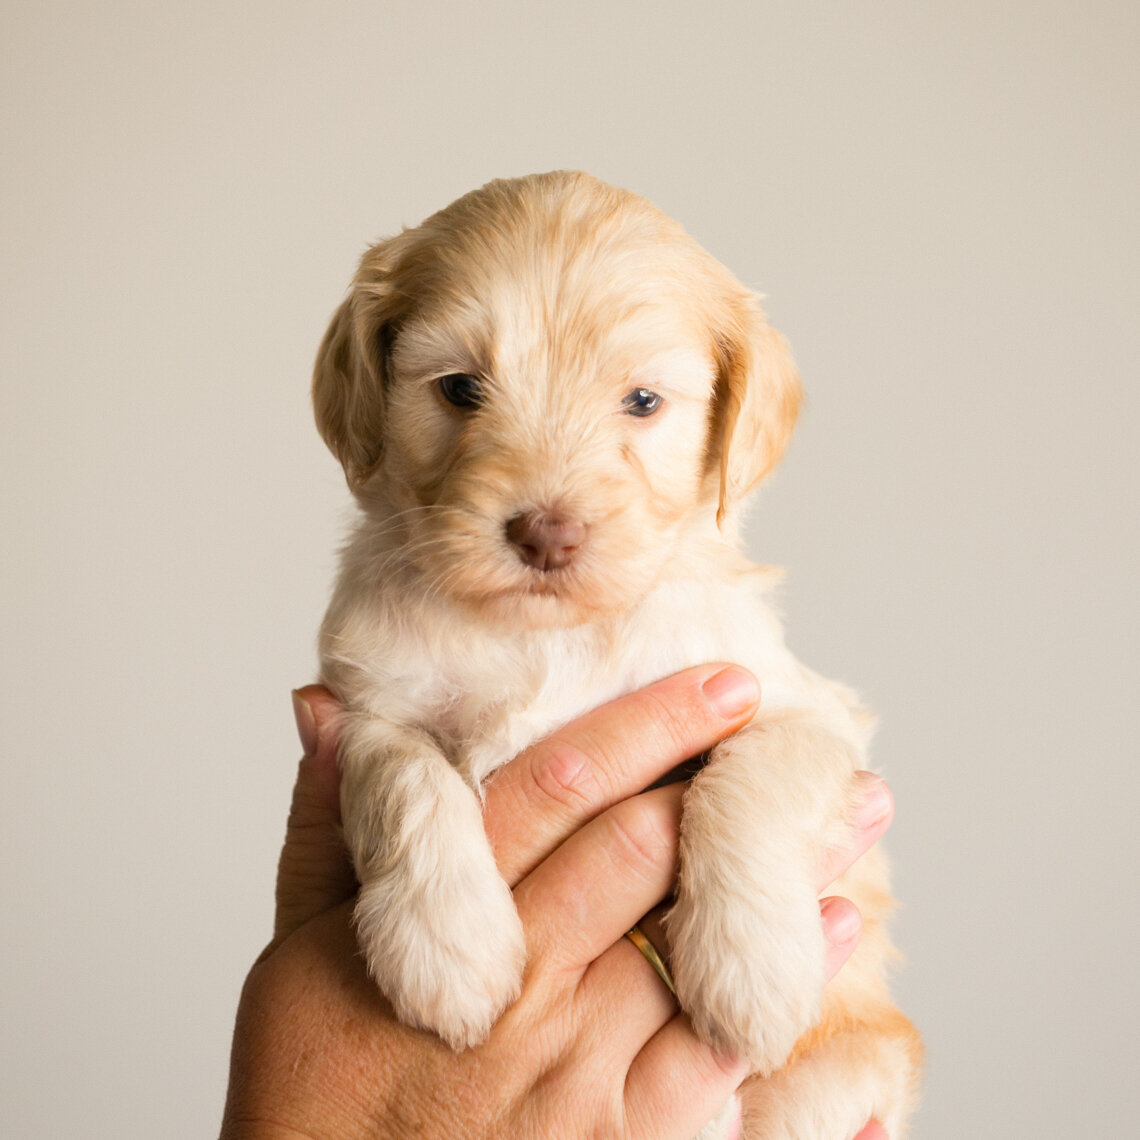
point(451, 653)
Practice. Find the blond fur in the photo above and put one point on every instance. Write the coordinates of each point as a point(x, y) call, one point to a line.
point(451, 654)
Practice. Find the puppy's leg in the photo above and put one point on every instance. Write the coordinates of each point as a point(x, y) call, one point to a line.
point(852, 1068)
point(747, 944)
point(435, 920)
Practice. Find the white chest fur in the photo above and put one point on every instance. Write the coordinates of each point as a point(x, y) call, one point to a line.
point(485, 692)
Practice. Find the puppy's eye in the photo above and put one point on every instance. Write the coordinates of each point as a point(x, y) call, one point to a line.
point(641, 402)
point(462, 389)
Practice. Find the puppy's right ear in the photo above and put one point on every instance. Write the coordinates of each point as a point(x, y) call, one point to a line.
point(349, 377)
point(348, 390)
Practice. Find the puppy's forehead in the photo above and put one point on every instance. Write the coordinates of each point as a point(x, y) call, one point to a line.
point(578, 272)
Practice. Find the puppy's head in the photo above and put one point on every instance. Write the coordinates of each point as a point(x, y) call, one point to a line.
point(545, 390)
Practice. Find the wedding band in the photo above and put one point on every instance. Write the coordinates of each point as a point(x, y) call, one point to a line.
point(649, 951)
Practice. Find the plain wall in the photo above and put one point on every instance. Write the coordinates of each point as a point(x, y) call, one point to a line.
point(940, 203)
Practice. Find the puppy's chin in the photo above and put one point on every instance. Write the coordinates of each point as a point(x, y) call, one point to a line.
point(542, 606)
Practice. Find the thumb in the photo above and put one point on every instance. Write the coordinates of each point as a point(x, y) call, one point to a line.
point(314, 873)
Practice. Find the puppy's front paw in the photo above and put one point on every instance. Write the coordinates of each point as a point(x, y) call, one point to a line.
point(749, 970)
point(449, 957)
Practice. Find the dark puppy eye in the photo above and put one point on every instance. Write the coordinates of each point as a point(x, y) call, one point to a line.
point(641, 402)
point(462, 389)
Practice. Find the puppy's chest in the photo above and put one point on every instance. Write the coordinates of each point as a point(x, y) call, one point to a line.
point(517, 691)
point(486, 696)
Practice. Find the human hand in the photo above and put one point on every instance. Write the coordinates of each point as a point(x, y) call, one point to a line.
point(594, 1043)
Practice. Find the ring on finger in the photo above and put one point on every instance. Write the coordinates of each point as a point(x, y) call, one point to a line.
point(637, 936)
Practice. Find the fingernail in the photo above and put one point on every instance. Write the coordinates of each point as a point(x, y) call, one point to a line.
point(731, 692)
point(306, 724)
point(841, 921)
point(875, 804)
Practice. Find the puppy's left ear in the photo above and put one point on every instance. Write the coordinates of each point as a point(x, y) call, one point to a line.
point(758, 399)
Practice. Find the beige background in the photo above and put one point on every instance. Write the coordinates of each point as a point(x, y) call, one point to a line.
point(940, 201)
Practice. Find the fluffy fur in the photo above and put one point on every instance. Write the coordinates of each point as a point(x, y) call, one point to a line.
point(560, 295)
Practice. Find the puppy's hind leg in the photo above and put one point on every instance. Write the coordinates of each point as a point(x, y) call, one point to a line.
point(841, 1075)
point(435, 920)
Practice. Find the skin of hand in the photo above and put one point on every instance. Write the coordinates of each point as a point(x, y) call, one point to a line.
point(595, 1044)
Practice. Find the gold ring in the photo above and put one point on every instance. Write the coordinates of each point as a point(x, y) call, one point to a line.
point(637, 936)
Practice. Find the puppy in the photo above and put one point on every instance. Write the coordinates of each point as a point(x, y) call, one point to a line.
point(550, 404)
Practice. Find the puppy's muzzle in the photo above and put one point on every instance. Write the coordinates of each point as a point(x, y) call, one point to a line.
point(546, 541)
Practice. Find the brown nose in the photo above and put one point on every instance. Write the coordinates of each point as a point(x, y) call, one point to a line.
point(546, 542)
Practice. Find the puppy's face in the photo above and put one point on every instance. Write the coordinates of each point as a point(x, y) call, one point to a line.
point(543, 389)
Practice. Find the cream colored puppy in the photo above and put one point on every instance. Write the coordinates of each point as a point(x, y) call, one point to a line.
point(550, 403)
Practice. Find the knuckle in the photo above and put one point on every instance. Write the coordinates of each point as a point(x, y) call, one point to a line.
point(643, 835)
point(564, 774)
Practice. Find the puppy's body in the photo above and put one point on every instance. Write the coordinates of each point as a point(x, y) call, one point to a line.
point(554, 356)
point(488, 692)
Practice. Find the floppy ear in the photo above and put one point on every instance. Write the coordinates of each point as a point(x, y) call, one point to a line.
point(349, 375)
point(758, 398)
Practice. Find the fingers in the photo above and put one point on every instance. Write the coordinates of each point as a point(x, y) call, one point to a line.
point(589, 892)
point(551, 789)
point(675, 1079)
point(869, 819)
point(842, 925)
point(314, 872)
